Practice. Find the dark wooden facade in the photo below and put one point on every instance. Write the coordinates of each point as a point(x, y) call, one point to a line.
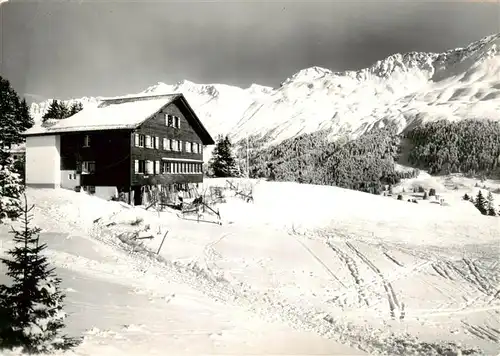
point(156, 127)
point(110, 150)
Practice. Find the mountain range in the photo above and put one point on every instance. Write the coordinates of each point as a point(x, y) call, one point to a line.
point(404, 89)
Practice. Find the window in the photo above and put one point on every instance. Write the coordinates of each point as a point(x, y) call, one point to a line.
point(156, 142)
point(169, 120)
point(88, 167)
point(149, 167)
point(165, 144)
point(176, 145)
point(140, 140)
point(157, 167)
point(179, 146)
point(172, 121)
point(188, 147)
point(140, 166)
point(166, 167)
point(192, 147)
point(89, 189)
point(86, 141)
point(148, 141)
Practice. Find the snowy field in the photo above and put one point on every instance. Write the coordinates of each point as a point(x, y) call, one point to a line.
point(368, 273)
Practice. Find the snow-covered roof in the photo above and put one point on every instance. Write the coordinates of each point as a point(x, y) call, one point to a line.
point(111, 114)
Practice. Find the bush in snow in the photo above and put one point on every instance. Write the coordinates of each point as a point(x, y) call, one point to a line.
point(432, 192)
point(31, 308)
point(11, 188)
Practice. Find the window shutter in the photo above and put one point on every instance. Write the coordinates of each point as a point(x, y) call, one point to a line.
point(165, 144)
point(148, 141)
point(179, 143)
point(157, 142)
point(157, 167)
point(136, 166)
point(136, 140)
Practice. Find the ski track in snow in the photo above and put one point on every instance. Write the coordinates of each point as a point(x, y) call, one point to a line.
point(366, 280)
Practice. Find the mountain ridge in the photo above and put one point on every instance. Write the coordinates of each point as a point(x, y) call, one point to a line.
point(404, 89)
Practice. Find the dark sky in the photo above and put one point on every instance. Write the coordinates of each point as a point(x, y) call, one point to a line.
point(62, 49)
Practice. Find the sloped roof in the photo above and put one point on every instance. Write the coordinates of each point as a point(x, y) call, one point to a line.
point(121, 113)
point(110, 114)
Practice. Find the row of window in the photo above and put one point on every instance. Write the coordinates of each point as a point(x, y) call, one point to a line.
point(167, 144)
point(160, 167)
point(149, 167)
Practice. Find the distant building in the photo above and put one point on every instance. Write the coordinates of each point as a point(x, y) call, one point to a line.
point(123, 145)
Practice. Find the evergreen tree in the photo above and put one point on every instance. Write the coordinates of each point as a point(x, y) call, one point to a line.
point(58, 110)
point(223, 162)
point(53, 112)
point(432, 192)
point(75, 108)
point(490, 205)
point(14, 115)
point(31, 308)
point(480, 203)
point(11, 187)
point(24, 118)
point(466, 197)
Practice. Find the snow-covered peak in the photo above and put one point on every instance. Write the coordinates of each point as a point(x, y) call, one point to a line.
point(259, 89)
point(308, 74)
point(401, 89)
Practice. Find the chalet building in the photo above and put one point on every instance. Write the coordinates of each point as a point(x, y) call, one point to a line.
point(123, 145)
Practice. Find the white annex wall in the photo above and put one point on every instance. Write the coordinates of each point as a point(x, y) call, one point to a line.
point(43, 161)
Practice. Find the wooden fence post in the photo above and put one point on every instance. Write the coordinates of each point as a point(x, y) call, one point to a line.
point(159, 248)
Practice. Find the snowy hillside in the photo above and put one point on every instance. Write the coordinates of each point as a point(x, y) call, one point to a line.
point(372, 274)
point(406, 89)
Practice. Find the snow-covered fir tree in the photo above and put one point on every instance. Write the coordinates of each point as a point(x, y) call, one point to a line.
point(75, 108)
point(31, 307)
point(223, 162)
point(480, 203)
point(490, 205)
point(14, 115)
point(58, 110)
point(11, 187)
